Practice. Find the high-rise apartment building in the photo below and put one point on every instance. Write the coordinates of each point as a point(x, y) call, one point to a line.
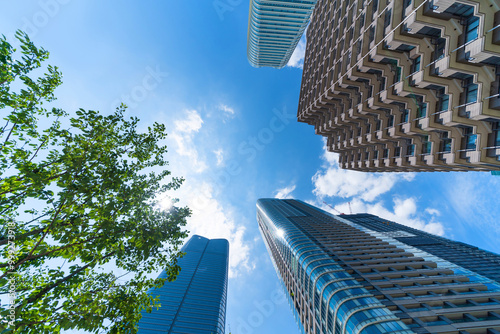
point(274, 29)
point(362, 274)
point(195, 303)
point(410, 85)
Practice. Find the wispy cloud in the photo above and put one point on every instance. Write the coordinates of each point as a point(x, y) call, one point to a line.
point(474, 199)
point(297, 58)
point(183, 134)
point(365, 192)
point(219, 155)
point(226, 109)
point(334, 181)
point(211, 217)
point(284, 192)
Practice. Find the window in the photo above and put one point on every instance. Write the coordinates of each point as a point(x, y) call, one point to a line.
point(405, 116)
point(390, 121)
point(387, 18)
point(472, 30)
point(410, 150)
point(426, 145)
point(422, 110)
point(445, 143)
point(439, 49)
point(375, 7)
point(496, 134)
point(361, 22)
point(416, 64)
point(397, 151)
point(371, 35)
point(385, 153)
point(469, 139)
point(443, 102)
point(470, 90)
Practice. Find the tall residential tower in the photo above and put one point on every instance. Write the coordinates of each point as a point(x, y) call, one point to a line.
point(362, 274)
point(407, 85)
point(274, 29)
point(195, 303)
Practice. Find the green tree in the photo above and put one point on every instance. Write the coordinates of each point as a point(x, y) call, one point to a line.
point(85, 194)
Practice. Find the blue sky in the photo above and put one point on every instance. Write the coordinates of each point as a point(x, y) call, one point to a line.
point(233, 133)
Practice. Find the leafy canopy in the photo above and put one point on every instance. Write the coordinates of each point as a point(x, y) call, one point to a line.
point(82, 196)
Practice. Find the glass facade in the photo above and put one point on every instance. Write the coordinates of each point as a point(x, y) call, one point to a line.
point(342, 276)
point(274, 29)
point(195, 303)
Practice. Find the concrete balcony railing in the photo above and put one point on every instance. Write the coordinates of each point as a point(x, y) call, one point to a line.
point(447, 157)
point(406, 127)
point(428, 158)
point(493, 151)
point(412, 160)
point(391, 131)
point(474, 110)
point(471, 156)
point(475, 49)
point(417, 77)
point(446, 117)
point(423, 123)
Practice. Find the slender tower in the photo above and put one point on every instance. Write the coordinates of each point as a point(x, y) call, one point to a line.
point(195, 303)
point(362, 274)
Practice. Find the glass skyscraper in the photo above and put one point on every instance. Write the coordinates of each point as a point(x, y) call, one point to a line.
point(363, 274)
point(195, 303)
point(274, 29)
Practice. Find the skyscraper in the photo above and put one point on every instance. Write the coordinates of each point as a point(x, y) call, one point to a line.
point(407, 85)
point(195, 303)
point(362, 274)
point(274, 29)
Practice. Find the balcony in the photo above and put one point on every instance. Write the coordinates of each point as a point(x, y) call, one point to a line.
point(493, 151)
point(412, 160)
point(423, 123)
point(471, 156)
point(446, 118)
point(475, 50)
point(428, 159)
point(447, 157)
point(391, 131)
point(417, 77)
point(472, 110)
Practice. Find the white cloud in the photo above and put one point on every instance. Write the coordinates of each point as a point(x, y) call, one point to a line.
point(192, 122)
point(365, 189)
point(219, 154)
point(297, 58)
point(210, 218)
point(334, 181)
point(225, 108)
point(473, 197)
point(434, 212)
point(404, 211)
point(284, 192)
point(213, 220)
point(183, 135)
